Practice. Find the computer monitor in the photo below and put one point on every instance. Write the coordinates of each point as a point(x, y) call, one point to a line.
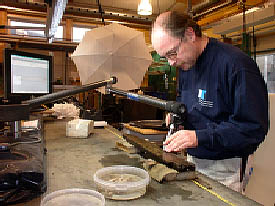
point(26, 75)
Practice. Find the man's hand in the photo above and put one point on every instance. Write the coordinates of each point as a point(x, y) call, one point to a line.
point(181, 140)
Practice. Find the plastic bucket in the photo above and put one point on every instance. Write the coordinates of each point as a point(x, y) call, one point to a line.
point(121, 182)
point(74, 197)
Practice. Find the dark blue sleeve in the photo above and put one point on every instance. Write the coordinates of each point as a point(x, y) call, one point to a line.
point(179, 87)
point(247, 126)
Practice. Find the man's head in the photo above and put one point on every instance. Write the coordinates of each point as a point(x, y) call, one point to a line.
point(174, 36)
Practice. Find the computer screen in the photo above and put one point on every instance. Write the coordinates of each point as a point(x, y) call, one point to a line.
point(27, 74)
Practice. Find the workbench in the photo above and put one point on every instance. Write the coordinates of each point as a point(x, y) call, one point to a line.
point(71, 163)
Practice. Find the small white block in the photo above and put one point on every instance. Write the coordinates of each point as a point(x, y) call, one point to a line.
point(79, 128)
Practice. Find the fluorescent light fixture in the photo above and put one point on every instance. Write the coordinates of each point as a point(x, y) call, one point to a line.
point(13, 8)
point(144, 8)
point(249, 11)
point(7, 7)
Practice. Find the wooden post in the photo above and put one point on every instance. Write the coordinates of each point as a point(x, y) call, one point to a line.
point(3, 21)
point(68, 30)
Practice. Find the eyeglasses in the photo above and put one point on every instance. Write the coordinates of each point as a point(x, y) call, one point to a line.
point(173, 52)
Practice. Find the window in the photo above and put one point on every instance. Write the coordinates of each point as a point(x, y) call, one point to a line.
point(59, 33)
point(266, 64)
point(27, 32)
point(34, 33)
point(79, 32)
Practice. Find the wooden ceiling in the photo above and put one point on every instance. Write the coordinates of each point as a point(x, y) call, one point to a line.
point(204, 11)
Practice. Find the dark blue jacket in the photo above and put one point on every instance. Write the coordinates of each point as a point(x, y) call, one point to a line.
point(227, 102)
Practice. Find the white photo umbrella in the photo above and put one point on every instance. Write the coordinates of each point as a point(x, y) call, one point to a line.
point(113, 50)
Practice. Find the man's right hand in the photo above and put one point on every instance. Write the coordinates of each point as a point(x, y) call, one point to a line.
point(181, 140)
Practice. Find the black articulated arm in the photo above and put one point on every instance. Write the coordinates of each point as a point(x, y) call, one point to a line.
point(15, 112)
point(177, 109)
point(58, 95)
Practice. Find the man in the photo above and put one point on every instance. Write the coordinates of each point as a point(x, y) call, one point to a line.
point(225, 96)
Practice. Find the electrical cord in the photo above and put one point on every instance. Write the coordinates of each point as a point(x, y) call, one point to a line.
point(5, 146)
point(37, 140)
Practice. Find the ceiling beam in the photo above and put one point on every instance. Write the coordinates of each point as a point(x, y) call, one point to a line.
point(41, 10)
point(108, 16)
point(40, 7)
point(28, 42)
point(227, 9)
point(220, 14)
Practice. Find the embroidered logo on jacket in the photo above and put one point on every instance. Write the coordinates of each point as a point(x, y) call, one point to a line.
point(202, 97)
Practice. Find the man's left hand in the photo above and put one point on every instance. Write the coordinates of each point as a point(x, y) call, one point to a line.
point(181, 140)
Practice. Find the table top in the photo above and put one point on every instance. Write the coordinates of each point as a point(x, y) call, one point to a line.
point(71, 163)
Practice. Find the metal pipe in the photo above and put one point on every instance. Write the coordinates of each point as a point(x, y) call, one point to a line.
point(23, 27)
point(189, 8)
point(254, 43)
point(170, 106)
point(244, 20)
point(15, 128)
point(58, 95)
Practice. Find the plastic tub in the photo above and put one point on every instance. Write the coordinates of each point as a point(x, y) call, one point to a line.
point(74, 197)
point(121, 182)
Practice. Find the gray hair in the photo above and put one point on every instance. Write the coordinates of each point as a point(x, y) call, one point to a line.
point(176, 24)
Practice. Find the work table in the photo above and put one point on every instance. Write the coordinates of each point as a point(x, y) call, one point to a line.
point(71, 163)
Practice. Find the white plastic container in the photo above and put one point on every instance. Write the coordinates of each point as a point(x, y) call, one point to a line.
point(79, 128)
point(74, 197)
point(121, 182)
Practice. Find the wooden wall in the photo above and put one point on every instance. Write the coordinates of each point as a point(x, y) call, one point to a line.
point(3, 21)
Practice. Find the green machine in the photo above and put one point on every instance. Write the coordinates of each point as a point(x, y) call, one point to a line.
point(161, 79)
